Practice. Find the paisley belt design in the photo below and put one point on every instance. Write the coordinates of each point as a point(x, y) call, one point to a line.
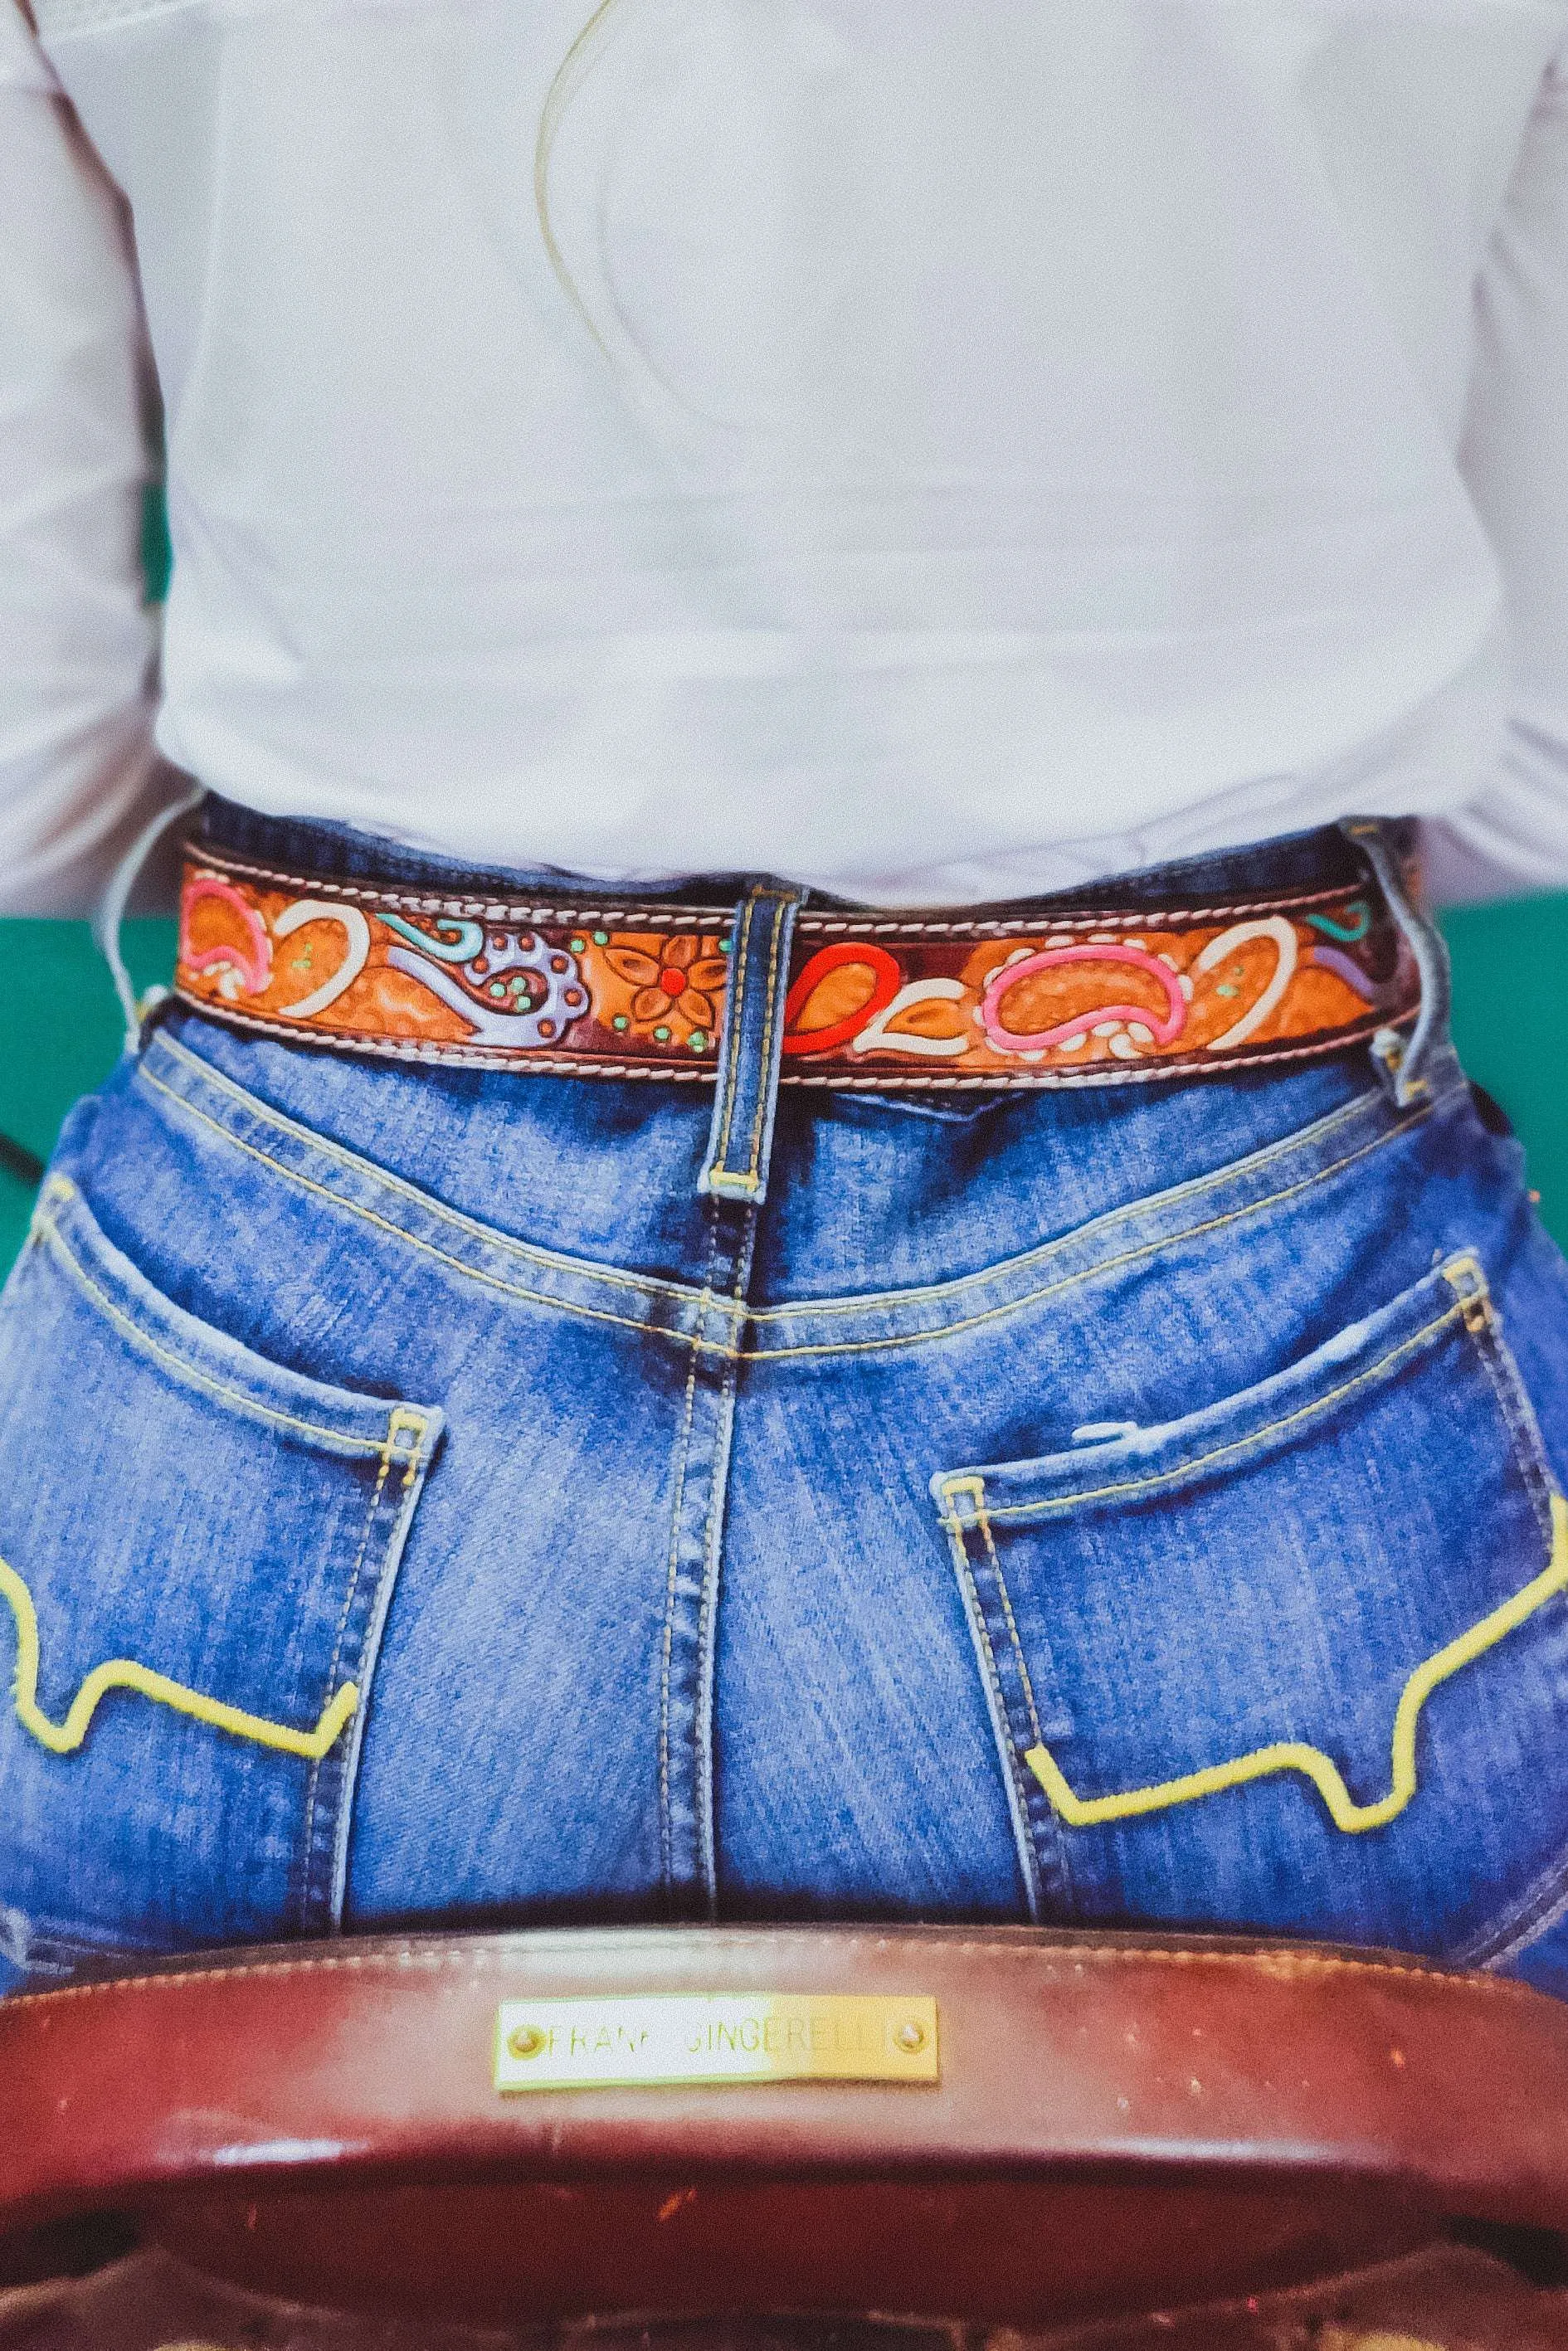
point(1018, 996)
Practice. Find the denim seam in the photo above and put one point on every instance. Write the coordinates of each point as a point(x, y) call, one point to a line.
point(703, 1726)
point(994, 1556)
point(44, 1225)
point(1026, 1850)
point(1513, 1403)
point(1059, 1857)
point(1307, 1138)
point(263, 1114)
point(1546, 1900)
point(712, 1562)
point(1060, 1505)
point(350, 1589)
point(416, 1241)
point(666, 1837)
point(390, 1559)
point(1317, 1133)
point(1086, 1273)
point(1535, 1915)
point(706, 1301)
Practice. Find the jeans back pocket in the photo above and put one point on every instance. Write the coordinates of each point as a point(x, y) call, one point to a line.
point(197, 1550)
point(1297, 1661)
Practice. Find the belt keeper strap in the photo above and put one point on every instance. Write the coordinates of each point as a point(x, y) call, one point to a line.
point(751, 1047)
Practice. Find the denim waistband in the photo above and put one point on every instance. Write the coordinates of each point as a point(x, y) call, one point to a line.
point(1321, 859)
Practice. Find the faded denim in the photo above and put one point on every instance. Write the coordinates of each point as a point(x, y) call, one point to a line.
point(696, 1554)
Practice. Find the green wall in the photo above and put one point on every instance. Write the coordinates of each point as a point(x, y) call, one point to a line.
point(1511, 988)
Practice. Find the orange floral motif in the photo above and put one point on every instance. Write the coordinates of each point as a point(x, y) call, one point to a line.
point(677, 986)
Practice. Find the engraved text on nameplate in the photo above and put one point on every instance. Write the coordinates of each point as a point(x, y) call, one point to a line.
point(715, 2037)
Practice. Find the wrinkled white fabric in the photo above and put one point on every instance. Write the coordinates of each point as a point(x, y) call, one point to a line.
point(950, 452)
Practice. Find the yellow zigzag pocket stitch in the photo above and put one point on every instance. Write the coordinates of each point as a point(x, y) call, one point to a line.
point(1086, 1812)
point(122, 1672)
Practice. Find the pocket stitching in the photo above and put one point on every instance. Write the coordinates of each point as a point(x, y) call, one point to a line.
point(354, 1166)
point(1240, 1445)
point(1018, 1795)
point(1483, 1325)
point(1474, 1307)
point(403, 1421)
point(350, 1589)
point(1294, 1755)
point(45, 1228)
point(159, 1689)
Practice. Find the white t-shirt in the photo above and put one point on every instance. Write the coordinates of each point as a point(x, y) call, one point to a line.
point(929, 449)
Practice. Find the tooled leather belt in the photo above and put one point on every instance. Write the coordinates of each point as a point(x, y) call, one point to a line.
point(930, 1000)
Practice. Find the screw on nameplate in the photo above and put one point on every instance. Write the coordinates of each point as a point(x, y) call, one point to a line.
point(691, 2039)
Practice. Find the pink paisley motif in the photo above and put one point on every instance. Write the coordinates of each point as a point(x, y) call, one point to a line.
point(1164, 1032)
point(256, 970)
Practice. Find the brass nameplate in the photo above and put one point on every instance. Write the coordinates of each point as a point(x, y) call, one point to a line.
point(690, 2038)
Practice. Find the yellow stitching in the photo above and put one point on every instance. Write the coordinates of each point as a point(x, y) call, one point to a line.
point(1288, 1146)
point(367, 1171)
point(1318, 1132)
point(983, 1523)
point(350, 1588)
point(404, 1423)
point(1467, 1278)
point(413, 1240)
point(976, 1489)
point(120, 1673)
point(1240, 1444)
point(1023, 1835)
point(1353, 1819)
point(809, 1308)
point(188, 1371)
point(1067, 1281)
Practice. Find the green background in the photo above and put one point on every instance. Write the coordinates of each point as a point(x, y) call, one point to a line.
point(1511, 1006)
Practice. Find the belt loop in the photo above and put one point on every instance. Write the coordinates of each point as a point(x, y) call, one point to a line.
point(1403, 1061)
point(750, 1049)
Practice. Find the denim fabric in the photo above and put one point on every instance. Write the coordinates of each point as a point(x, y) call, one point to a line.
point(687, 1557)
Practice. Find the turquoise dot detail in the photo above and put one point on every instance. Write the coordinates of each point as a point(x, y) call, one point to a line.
point(697, 1040)
point(498, 990)
point(601, 938)
point(724, 945)
point(578, 945)
point(621, 1022)
point(663, 1035)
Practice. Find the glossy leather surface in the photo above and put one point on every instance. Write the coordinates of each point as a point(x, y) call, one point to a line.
point(1119, 2123)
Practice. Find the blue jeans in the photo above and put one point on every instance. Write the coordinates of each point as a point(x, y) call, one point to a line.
point(425, 1498)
